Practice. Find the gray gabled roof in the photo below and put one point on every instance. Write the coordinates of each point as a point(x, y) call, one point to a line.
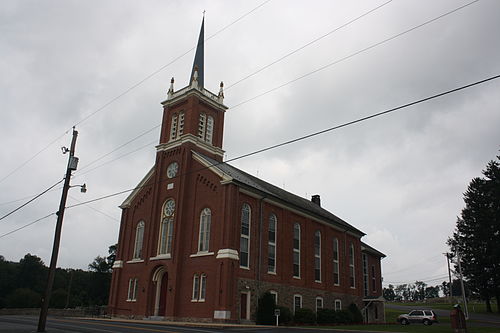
point(371, 250)
point(264, 188)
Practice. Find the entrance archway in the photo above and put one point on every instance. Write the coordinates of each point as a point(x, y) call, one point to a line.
point(160, 280)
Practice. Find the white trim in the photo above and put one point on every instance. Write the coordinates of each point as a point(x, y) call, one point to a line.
point(161, 256)
point(117, 264)
point(322, 303)
point(126, 203)
point(300, 296)
point(275, 293)
point(227, 253)
point(225, 177)
point(134, 261)
point(335, 304)
point(222, 314)
point(188, 137)
point(204, 94)
point(201, 254)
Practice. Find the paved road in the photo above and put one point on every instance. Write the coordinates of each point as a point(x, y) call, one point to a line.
point(28, 324)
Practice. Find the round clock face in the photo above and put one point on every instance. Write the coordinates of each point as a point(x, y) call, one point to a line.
point(169, 208)
point(172, 169)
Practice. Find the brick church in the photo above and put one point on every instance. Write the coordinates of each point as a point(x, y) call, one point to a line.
point(202, 240)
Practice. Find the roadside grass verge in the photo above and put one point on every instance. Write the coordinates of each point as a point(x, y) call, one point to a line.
point(473, 307)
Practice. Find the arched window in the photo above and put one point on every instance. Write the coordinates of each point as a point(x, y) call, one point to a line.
point(336, 275)
point(196, 288)
point(173, 127)
point(203, 287)
point(202, 122)
point(210, 129)
point(317, 256)
point(176, 125)
point(365, 274)
point(296, 250)
point(166, 227)
point(319, 303)
point(199, 288)
point(352, 278)
point(271, 248)
point(297, 302)
point(139, 235)
point(204, 236)
point(245, 236)
point(206, 127)
point(338, 305)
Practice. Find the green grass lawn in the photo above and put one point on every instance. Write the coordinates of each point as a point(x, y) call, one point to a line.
point(444, 325)
point(436, 328)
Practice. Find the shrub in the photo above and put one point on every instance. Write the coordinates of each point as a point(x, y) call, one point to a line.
point(325, 316)
point(265, 310)
point(343, 317)
point(357, 317)
point(304, 316)
point(285, 317)
point(23, 298)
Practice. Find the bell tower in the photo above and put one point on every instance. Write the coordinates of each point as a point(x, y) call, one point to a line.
point(193, 114)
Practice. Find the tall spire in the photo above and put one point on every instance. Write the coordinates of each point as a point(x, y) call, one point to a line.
point(199, 56)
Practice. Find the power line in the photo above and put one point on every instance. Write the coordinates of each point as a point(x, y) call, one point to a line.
point(111, 101)
point(420, 280)
point(354, 54)
point(117, 158)
point(309, 73)
point(308, 44)
point(291, 141)
point(378, 114)
point(96, 210)
point(31, 200)
point(27, 225)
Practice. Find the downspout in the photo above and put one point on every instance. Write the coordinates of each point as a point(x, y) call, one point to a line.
point(261, 222)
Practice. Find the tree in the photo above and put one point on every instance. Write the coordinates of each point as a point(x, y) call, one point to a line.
point(265, 309)
point(432, 292)
point(477, 234)
point(389, 293)
point(32, 273)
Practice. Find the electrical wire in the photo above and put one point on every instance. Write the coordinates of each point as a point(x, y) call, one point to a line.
point(288, 142)
point(307, 44)
point(96, 210)
point(127, 91)
point(31, 200)
point(378, 114)
point(27, 225)
point(315, 71)
point(353, 54)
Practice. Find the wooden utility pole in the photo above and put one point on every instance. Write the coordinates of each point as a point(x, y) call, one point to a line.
point(449, 273)
point(72, 164)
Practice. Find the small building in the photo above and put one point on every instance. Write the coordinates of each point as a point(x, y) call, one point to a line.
point(201, 240)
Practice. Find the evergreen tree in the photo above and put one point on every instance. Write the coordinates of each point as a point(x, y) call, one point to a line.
point(477, 234)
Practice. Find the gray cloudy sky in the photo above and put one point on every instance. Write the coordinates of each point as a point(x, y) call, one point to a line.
point(399, 177)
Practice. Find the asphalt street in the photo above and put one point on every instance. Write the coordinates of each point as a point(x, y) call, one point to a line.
point(28, 324)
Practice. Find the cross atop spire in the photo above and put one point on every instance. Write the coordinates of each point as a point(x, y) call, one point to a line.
point(199, 56)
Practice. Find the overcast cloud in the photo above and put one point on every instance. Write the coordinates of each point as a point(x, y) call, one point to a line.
point(399, 177)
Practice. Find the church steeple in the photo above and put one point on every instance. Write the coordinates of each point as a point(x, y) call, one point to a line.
point(193, 117)
point(198, 64)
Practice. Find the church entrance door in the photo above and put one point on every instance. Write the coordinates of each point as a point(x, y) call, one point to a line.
point(163, 295)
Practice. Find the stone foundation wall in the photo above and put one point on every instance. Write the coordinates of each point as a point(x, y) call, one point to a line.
point(287, 292)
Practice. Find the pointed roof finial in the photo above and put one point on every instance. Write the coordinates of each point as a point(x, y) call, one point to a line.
point(199, 55)
point(221, 92)
point(171, 89)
